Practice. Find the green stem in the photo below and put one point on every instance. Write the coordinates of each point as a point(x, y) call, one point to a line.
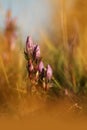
point(58, 85)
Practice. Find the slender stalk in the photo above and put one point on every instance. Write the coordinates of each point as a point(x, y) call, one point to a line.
point(57, 84)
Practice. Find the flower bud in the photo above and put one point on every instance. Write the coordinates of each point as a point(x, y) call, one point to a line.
point(29, 44)
point(40, 66)
point(36, 52)
point(49, 72)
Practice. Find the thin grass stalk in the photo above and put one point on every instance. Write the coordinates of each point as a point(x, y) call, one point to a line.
point(4, 71)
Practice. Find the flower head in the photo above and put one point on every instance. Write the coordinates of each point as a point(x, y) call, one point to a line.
point(49, 72)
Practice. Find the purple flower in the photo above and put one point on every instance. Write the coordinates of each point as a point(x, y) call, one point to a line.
point(40, 66)
point(49, 72)
point(29, 44)
point(36, 51)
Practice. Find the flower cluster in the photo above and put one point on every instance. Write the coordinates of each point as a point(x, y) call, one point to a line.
point(38, 73)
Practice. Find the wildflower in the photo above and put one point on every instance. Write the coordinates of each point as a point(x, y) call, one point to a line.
point(36, 52)
point(49, 72)
point(40, 66)
point(29, 44)
point(37, 72)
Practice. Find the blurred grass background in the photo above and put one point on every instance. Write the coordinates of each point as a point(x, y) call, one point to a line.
point(63, 44)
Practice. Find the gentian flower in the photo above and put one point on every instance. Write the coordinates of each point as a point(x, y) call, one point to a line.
point(40, 66)
point(29, 44)
point(36, 52)
point(36, 70)
point(49, 72)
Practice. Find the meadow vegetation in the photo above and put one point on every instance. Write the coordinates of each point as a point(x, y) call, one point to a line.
point(27, 81)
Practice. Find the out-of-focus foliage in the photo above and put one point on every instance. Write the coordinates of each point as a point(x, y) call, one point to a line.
point(63, 45)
